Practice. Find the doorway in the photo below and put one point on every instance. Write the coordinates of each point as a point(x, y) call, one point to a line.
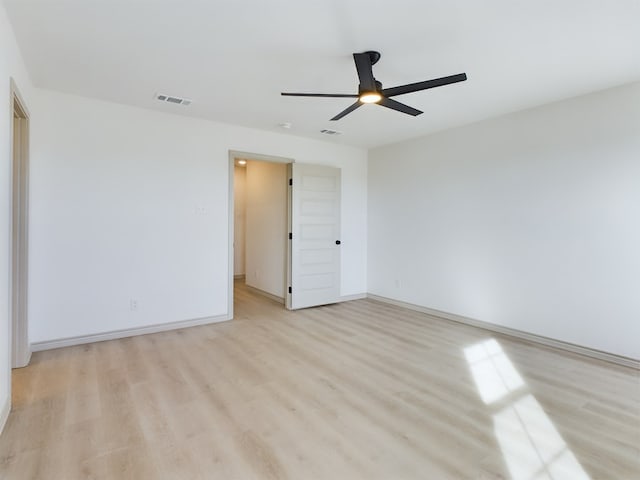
point(300, 262)
point(259, 225)
point(20, 349)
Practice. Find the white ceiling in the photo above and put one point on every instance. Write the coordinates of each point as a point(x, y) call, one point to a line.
point(234, 57)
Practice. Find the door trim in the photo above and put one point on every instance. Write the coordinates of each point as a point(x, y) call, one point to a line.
point(233, 155)
point(19, 228)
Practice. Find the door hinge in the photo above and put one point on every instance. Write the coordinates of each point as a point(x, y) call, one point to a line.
point(290, 236)
point(291, 181)
point(289, 289)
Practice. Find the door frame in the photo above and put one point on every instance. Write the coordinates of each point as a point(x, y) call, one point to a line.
point(19, 228)
point(233, 155)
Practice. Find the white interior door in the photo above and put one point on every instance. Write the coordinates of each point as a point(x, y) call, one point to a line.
point(315, 242)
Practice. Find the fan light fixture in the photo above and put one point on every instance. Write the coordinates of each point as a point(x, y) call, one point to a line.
point(370, 97)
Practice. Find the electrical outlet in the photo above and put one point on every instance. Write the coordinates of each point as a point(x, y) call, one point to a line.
point(133, 305)
point(397, 283)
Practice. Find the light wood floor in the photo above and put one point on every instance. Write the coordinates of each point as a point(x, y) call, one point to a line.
point(359, 390)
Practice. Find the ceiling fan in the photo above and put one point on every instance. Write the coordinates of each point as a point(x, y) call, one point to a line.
point(370, 90)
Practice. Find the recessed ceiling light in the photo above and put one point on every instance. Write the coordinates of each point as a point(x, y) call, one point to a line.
point(286, 125)
point(242, 162)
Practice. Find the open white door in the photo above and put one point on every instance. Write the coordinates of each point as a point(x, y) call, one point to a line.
point(315, 242)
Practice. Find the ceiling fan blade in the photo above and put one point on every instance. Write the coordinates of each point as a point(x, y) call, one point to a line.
point(416, 87)
point(347, 111)
point(400, 107)
point(331, 95)
point(365, 72)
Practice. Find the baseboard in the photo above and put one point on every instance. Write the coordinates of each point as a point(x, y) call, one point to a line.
point(512, 332)
point(239, 277)
point(355, 296)
point(129, 332)
point(4, 413)
point(270, 296)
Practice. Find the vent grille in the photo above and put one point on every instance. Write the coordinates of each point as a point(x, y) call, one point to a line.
point(171, 99)
point(327, 131)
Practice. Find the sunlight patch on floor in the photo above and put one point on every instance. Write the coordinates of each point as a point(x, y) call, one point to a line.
point(492, 371)
point(531, 445)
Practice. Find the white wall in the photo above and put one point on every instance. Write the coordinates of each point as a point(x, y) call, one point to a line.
point(239, 219)
point(11, 66)
point(266, 227)
point(530, 221)
point(129, 203)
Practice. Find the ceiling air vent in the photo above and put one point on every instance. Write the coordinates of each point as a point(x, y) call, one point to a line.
point(327, 131)
point(177, 100)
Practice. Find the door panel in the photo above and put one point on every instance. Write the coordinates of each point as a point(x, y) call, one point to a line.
point(315, 221)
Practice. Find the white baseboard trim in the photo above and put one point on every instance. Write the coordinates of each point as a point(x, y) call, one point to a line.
point(512, 332)
point(4, 413)
point(270, 296)
point(355, 296)
point(128, 332)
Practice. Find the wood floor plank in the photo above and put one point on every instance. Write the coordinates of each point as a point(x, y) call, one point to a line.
point(359, 390)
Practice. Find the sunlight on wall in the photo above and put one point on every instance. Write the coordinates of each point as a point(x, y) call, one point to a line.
point(531, 446)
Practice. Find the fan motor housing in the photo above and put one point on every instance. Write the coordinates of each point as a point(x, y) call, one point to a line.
point(378, 88)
